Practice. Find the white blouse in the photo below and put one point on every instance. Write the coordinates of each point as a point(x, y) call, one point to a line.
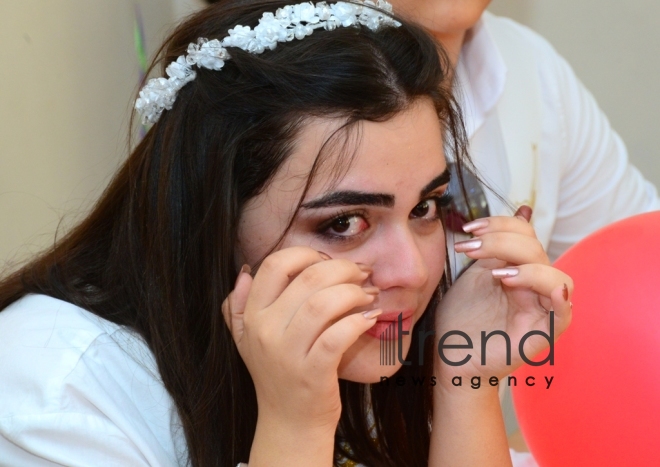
point(581, 177)
point(77, 390)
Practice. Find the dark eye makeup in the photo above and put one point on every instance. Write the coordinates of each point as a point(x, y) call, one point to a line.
point(336, 228)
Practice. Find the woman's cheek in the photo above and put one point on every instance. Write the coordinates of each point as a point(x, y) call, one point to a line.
point(436, 249)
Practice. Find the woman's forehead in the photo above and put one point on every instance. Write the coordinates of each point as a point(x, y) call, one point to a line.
point(374, 157)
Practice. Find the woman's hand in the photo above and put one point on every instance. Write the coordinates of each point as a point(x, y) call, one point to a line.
point(291, 326)
point(511, 288)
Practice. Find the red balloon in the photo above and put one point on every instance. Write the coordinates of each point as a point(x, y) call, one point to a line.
point(603, 406)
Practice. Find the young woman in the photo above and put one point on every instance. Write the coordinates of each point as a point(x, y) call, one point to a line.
point(229, 296)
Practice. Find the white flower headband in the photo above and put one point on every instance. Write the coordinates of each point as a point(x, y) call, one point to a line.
point(292, 21)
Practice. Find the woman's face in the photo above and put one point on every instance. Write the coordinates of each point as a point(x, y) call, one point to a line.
point(442, 17)
point(384, 213)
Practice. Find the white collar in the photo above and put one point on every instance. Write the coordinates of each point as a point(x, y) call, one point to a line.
point(480, 75)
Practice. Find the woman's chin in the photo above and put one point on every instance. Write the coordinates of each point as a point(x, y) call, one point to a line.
point(365, 362)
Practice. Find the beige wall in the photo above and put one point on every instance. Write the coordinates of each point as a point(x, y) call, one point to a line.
point(614, 47)
point(68, 71)
point(182, 8)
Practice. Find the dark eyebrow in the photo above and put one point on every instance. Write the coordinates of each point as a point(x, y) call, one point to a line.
point(355, 198)
point(440, 180)
point(350, 198)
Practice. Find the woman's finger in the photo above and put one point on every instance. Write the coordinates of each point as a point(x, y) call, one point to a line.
point(324, 308)
point(562, 307)
point(276, 272)
point(233, 307)
point(542, 279)
point(514, 248)
point(335, 341)
point(315, 278)
point(525, 212)
point(500, 224)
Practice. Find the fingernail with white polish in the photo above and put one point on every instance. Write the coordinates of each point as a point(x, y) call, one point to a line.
point(475, 225)
point(468, 245)
point(244, 269)
point(505, 272)
point(372, 313)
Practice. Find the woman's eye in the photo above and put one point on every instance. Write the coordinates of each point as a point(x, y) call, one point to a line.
point(430, 207)
point(427, 208)
point(347, 226)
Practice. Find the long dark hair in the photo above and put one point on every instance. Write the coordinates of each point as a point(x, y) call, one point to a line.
point(156, 253)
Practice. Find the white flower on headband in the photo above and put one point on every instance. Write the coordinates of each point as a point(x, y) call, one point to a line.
point(289, 22)
point(269, 32)
point(240, 37)
point(180, 70)
point(306, 12)
point(207, 54)
point(345, 13)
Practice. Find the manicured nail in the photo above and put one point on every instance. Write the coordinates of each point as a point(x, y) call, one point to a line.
point(505, 272)
point(245, 268)
point(474, 225)
point(565, 291)
point(372, 313)
point(325, 256)
point(371, 290)
point(365, 268)
point(524, 212)
point(468, 245)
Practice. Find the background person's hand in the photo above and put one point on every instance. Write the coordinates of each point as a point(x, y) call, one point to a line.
point(511, 288)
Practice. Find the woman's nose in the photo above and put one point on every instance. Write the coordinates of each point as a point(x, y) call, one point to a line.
point(400, 262)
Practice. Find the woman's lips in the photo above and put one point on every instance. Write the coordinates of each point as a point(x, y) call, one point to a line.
point(387, 324)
